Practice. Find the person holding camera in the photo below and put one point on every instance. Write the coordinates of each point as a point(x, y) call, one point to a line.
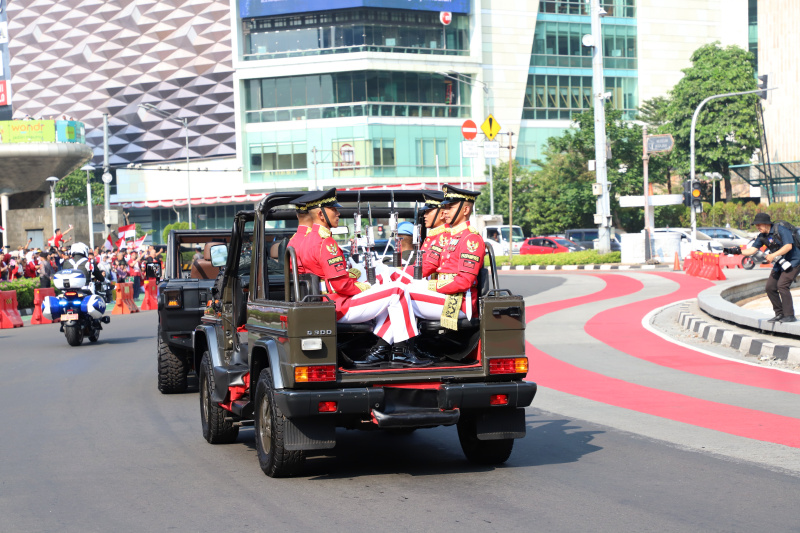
point(784, 255)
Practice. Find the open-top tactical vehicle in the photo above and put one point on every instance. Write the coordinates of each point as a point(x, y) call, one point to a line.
point(184, 291)
point(270, 353)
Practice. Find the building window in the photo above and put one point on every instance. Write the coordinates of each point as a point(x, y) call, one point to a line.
point(558, 44)
point(355, 30)
point(613, 8)
point(351, 94)
point(278, 158)
point(383, 153)
point(429, 149)
point(549, 97)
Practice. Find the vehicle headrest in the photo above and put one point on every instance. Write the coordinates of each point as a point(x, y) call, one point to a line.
point(207, 250)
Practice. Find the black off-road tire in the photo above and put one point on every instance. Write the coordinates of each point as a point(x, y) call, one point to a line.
point(748, 263)
point(95, 336)
point(216, 430)
point(482, 452)
point(274, 458)
point(74, 335)
point(173, 369)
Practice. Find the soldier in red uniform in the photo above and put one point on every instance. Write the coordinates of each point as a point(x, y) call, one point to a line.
point(304, 223)
point(357, 302)
point(453, 294)
point(438, 234)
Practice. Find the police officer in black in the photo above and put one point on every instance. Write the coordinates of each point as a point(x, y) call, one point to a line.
point(786, 258)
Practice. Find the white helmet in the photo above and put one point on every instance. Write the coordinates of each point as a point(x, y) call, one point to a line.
point(79, 248)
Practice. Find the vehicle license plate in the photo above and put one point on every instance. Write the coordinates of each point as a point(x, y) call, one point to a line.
point(69, 316)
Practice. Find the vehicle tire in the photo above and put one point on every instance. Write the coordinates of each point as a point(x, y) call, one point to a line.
point(74, 335)
point(216, 430)
point(483, 452)
point(173, 368)
point(274, 458)
point(748, 263)
point(95, 336)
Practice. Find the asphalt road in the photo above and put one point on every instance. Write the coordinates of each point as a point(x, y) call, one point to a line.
point(89, 444)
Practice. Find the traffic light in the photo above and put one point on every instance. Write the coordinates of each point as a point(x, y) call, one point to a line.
point(687, 193)
point(697, 203)
point(762, 84)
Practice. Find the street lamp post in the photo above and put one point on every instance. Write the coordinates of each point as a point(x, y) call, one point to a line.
point(53, 180)
point(183, 122)
point(89, 169)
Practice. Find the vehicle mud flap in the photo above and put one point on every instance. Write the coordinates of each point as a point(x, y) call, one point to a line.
point(496, 424)
point(224, 377)
point(309, 433)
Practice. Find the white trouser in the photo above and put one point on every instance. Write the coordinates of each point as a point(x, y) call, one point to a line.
point(390, 304)
point(428, 304)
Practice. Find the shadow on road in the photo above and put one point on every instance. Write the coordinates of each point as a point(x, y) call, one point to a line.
point(123, 340)
point(427, 452)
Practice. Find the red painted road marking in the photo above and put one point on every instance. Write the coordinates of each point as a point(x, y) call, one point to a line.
point(553, 373)
point(621, 328)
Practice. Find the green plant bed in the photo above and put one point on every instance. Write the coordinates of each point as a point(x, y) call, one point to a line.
point(587, 257)
point(24, 289)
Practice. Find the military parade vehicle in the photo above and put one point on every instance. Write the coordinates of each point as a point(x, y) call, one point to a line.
point(270, 354)
point(184, 291)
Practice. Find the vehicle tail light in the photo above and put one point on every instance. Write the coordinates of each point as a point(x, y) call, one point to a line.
point(71, 293)
point(307, 374)
point(173, 299)
point(327, 407)
point(498, 399)
point(508, 365)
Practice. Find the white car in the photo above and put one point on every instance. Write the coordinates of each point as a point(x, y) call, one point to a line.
point(704, 243)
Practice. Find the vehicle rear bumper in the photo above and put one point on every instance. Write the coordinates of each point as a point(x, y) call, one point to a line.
point(363, 400)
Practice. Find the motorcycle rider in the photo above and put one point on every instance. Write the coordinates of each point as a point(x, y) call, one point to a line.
point(79, 261)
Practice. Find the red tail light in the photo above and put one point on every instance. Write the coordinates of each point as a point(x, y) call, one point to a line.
point(508, 365)
point(327, 407)
point(307, 374)
point(498, 399)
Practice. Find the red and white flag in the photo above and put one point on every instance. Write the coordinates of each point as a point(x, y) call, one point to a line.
point(2, 229)
point(108, 245)
point(127, 232)
point(51, 240)
point(138, 244)
point(120, 244)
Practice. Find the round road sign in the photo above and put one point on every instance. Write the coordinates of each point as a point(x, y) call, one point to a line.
point(445, 17)
point(469, 130)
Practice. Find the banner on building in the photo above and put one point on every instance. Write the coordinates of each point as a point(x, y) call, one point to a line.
point(266, 8)
point(27, 131)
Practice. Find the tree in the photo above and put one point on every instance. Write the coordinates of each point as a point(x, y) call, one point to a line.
point(170, 227)
point(523, 185)
point(727, 130)
point(71, 189)
point(653, 112)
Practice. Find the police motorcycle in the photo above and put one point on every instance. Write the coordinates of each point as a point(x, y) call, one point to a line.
point(80, 310)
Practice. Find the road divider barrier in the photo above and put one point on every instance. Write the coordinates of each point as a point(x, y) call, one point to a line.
point(703, 265)
point(9, 314)
point(38, 297)
point(730, 261)
point(150, 302)
point(124, 304)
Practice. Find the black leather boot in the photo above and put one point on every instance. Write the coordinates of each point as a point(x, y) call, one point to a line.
point(403, 356)
point(776, 318)
point(381, 353)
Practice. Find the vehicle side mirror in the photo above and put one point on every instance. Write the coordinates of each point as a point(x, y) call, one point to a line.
point(219, 255)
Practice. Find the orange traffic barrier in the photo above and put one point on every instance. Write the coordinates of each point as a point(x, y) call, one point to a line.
point(677, 266)
point(716, 269)
point(694, 264)
point(38, 297)
point(150, 302)
point(123, 304)
point(9, 314)
point(730, 261)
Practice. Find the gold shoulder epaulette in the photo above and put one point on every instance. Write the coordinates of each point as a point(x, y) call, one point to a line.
point(324, 232)
point(437, 231)
point(473, 229)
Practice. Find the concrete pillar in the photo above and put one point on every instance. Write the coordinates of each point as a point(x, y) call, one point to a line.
point(3, 218)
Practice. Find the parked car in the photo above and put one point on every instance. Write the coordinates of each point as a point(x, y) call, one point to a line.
point(549, 245)
point(586, 237)
point(728, 237)
point(704, 243)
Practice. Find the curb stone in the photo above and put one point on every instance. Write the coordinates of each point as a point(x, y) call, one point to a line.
point(585, 267)
point(761, 348)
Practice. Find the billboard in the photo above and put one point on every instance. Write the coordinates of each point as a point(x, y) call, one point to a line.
point(27, 131)
point(266, 8)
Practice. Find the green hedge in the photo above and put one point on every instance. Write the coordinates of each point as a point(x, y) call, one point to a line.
point(587, 257)
point(24, 288)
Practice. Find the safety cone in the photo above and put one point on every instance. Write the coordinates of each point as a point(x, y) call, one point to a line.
point(677, 266)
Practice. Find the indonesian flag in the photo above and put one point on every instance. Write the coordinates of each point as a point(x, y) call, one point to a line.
point(138, 244)
point(51, 241)
point(127, 232)
point(108, 245)
point(120, 244)
point(2, 229)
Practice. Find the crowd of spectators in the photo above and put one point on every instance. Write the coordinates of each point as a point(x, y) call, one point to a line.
point(117, 264)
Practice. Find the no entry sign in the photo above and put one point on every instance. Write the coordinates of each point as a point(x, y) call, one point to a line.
point(469, 130)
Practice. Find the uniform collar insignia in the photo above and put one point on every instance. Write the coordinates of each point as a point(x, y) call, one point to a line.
point(436, 231)
point(461, 227)
point(323, 231)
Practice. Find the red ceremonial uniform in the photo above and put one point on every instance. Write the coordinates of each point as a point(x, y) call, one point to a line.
point(296, 241)
point(322, 256)
point(434, 245)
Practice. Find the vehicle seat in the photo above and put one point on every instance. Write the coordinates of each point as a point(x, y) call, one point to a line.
point(202, 268)
point(434, 327)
